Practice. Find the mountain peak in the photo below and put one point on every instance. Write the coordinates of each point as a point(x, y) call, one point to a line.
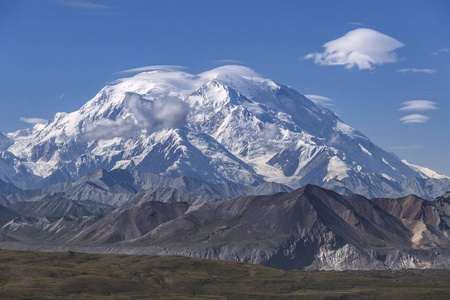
point(237, 77)
point(229, 124)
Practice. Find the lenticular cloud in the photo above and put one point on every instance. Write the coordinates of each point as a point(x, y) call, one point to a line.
point(414, 118)
point(418, 105)
point(33, 120)
point(362, 48)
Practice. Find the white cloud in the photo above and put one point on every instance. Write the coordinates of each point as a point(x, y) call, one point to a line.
point(445, 50)
point(356, 23)
point(271, 131)
point(414, 70)
point(61, 96)
point(418, 105)
point(144, 116)
point(362, 48)
point(152, 68)
point(85, 5)
point(33, 120)
point(108, 129)
point(414, 118)
point(321, 100)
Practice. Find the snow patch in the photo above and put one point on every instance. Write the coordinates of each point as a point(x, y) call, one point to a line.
point(387, 163)
point(336, 169)
point(425, 172)
point(344, 128)
point(365, 150)
point(388, 177)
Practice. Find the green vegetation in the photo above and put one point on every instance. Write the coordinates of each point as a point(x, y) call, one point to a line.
point(68, 275)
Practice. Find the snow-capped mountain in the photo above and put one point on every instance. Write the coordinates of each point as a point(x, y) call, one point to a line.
point(225, 125)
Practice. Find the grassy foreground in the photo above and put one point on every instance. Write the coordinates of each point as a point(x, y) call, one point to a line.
point(39, 275)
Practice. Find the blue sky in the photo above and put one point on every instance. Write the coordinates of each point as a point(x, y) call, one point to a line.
point(55, 55)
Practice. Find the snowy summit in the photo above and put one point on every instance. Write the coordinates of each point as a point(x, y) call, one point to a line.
point(228, 124)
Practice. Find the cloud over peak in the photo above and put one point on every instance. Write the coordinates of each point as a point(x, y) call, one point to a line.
point(33, 120)
point(362, 48)
point(143, 115)
point(168, 68)
point(321, 100)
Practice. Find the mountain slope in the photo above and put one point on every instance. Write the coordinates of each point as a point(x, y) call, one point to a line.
point(131, 223)
point(52, 218)
point(308, 228)
point(7, 215)
point(227, 125)
point(427, 221)
point(124, 187)
point(50, 207)
point(165, 195)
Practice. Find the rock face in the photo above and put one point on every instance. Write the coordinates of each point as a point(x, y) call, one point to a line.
point(7, 189)
point(125, 188)
point(165, 195)
point(308, 228)
point(131, 223)
point(7, 215)
point(52, 218)
point(427, 221)
point(50, 207)
point(227, 125)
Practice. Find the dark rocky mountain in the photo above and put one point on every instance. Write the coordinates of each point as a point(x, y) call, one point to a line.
point(117, 187)
point(52, 218)
point(428, 221)
point(165, 195)
point(308, 228)
point(7, 215)
point(50, 207)
point(130, 182)
point(444, 197)
point(131, 223)
point(56, 207)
